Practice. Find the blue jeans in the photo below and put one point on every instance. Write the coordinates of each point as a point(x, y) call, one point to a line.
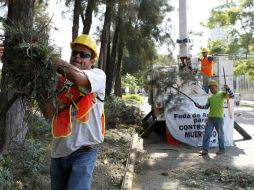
point(73, 172)
point(205, 83)
point(218, 124)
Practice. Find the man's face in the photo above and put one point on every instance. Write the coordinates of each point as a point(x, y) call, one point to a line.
point(81, 57)
point(204, 54)
point(213, 89)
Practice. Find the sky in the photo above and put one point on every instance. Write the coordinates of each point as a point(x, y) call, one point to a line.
point(62, 36)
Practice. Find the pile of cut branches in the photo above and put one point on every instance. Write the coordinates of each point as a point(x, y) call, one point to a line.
point(168, 81)
point(29, 58)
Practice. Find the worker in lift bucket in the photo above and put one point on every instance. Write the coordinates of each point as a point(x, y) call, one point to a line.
point(206, 68)
point(216, 115)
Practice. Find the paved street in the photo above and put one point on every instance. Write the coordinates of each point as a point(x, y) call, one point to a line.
point(244, 116)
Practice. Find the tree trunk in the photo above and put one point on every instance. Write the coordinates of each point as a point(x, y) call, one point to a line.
point(108, 73)
point(105, 37)
point(12, 126)
point(111, 66)
point(76, 13)
point(118, 84)
point(89, 16)
point(21, 11)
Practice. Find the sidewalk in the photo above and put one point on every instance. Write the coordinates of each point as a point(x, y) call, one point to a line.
point(166, 167)
point(247, 103)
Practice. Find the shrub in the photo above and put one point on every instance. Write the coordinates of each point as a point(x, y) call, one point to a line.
point(118, 112)
point(135, 97)
point(39, 128)
point(6, 178)
point(32, 158)
point(30, 165)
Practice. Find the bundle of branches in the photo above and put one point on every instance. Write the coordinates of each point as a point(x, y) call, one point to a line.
point(168, 82)
point(29, 57)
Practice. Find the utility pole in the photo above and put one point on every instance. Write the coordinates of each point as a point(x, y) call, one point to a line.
point(184, 50)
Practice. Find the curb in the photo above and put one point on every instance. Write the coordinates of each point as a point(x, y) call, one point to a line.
point(129, 168)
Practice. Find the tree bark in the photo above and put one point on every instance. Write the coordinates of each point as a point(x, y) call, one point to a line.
point(88, 17)
point(118, 84)
point(108, 67)
point(12, 126)
point(75, 22)
point(21, 11)
point(111, 66)
point(105, 36)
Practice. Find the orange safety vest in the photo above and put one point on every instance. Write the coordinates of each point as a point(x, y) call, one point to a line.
point(206, 67)
point(84, 103)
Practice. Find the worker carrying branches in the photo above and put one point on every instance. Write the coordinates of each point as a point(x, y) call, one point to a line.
point(77, 117)
point(215, 116)
point(206, 68)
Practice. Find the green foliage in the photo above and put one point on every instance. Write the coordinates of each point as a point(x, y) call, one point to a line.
point(135, 97)
point(151, 14)
point(224, 14)
point(244, 67)
point(32, 159)
point(142, 30)
point(137, 57)
point(29, 55)
point(238, 20)
point(217, 16)
point(30, 58)
point(240, 67)
point(6, 178)
point(30, 165)
point(39, 128)
point(41, 16)
point(27, 165)
point(118, 112)
point(164, 60)
point(217, 47)
point(129, 81)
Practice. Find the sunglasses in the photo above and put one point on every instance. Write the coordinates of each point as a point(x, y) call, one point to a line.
point(82, 54)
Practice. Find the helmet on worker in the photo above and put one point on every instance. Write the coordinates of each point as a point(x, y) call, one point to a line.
point(204, 50)
point(212, 83)
point(86, 41)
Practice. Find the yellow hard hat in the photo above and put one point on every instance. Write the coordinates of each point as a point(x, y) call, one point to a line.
point(86, 41)
point(212, 83)
point(204, 50)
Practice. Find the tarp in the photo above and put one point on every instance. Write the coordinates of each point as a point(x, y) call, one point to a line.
point(186, 123)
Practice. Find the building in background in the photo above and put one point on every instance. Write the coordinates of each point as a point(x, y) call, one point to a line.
point(217, 33)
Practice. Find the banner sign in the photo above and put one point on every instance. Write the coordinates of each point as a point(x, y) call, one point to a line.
point(186, 123)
